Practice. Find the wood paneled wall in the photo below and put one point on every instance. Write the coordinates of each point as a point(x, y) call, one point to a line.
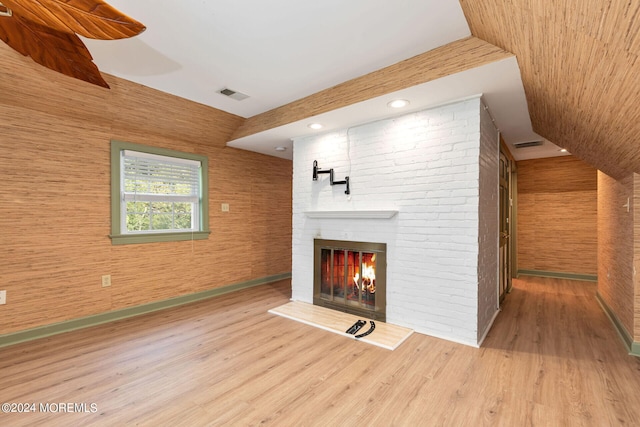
point(616, 246)
point(557, 216)
point(55, 137)
point(579, 62)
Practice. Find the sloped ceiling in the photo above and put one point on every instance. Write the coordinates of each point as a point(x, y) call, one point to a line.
point(580, 71)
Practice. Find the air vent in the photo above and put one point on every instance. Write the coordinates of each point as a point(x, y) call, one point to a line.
point(233, 94)
point(528, 144)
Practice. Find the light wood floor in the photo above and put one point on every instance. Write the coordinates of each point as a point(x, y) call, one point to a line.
point(551, 359)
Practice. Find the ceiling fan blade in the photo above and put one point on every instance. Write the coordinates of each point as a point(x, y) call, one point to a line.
point(93, 19)
point(59, 51)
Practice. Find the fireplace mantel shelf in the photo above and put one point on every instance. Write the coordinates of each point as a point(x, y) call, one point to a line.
point(371, 214)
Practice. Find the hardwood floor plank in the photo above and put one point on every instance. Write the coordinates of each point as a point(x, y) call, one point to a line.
point(551, 358)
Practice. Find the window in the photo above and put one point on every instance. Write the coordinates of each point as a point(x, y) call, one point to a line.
point(157, 195)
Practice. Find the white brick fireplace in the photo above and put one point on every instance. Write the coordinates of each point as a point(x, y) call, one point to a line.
point(426, 184)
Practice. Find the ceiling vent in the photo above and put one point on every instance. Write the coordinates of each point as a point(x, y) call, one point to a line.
point(238, 96)
point(528, 144)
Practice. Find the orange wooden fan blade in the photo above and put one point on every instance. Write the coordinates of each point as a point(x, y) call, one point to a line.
point(59, 51)
point(93, 19)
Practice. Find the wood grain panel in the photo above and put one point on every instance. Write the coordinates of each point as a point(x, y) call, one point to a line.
point(452, 58)
point(557, 216)
point(552, 358)
point(579, 65)
point(384, 335)
point(616, 247)
point(55, 137)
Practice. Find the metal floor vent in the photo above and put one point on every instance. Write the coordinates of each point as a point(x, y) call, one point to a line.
point(238, 96)
point(528, 144)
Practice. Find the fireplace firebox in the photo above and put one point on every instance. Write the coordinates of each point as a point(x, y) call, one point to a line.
point(351, 277)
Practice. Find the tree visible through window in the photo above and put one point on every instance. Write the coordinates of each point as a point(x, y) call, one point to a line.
point(159, 192)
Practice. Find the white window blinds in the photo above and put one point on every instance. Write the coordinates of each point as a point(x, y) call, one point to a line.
point(150, 177)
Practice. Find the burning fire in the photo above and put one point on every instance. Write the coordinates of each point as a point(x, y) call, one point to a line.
point(368, 278)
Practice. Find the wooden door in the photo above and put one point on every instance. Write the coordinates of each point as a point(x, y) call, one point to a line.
point(505, 229)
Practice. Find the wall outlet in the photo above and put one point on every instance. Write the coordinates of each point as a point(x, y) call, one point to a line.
point(106, 281)
point(225, 207)
point(3, 297)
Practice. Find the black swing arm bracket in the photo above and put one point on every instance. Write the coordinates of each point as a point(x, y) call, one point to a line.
point(317, 171)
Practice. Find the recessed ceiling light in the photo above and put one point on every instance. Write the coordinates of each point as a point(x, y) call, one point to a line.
point(564, 150)
point(315, 126)
point(281, 148)
point(398, 103)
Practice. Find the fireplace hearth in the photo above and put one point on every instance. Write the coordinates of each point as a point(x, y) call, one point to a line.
point(351, 277)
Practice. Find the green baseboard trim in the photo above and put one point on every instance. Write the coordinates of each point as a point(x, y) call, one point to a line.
point(111, 316)
point(559, 275)
point(635, 349)
point(625, 336)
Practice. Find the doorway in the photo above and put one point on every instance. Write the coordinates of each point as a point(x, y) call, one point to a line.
point(506, 215)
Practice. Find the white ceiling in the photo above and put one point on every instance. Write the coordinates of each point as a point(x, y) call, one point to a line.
point(283, 50)
point(499, 83)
